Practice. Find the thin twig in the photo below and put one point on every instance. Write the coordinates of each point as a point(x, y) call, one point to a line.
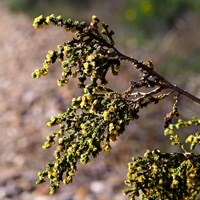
point(145, 95)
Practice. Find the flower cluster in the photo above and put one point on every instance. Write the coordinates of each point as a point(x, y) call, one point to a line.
point(164, 176)
point(97, 117)
point(41, 21)
point(193, 139)
point(167, 175)
point(100, 115)
point(89, 54)
point(104, 115)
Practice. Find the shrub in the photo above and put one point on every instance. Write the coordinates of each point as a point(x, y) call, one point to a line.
point(101, 114)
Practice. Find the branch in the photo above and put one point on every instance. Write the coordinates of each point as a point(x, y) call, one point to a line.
point(166, 84)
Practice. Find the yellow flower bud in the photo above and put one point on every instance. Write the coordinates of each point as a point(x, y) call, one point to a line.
point(113, 137)
point(74, 75)
point(84, 132)
point(111, 127)
point(106, 146)
point(139, 168)
point(117, 68)
point(89, 97)
point(60, 140)
point(86, 64)
point(189, 139)
point(95, 102)
point(94, 149)
point(115, 132)
point(67, 48)
point(90, 57)
point(92, 110)
point(90, 141)
point(82, 126)
point(59, 17)
point(48, 21)
point(67, 180)
point(117, 127)
point(74, 145)
point(141, 178)
point(106, 115)
point(59, 83)
point(174, 183)
point(107, 149)
point(83, 104)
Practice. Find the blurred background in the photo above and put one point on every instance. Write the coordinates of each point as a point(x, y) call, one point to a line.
point(166, 32)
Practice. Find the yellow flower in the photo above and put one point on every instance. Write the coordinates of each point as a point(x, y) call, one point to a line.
point(73, 29)
point(59, 83)
point(74, 75)
point(147, 153)
point(117, 127)
point(117, 68)
point(48, 124)
point(90, 141)
point(84, 132)
point(64, 74)
point(54, 174)
point(67, 48)
point(45, 73)
point(52, 16)
point(100, 56)
point(67, 29)
point(92, 110)
point(74, 145)
point(115, 132)
point(86, 64)
point(107, 148)
point(141, 178)
point(71, 173)
point(52, 191)
point(36, 21)
point(113, 137)
point(60, 140)
point(46, 66)
point(59, 17)
point(58, 149)
point(83, 104)
point(83, 126)
point(38, 73)
point(67, 180)
point(90, 57)
point(106, 115)
point(139, 168)
point(112, 109)
point(111, 127)
point(189, 139)
point(94, 149)
point(174, 183)
point(95, 102)
point(48, 20)
point(89, 97)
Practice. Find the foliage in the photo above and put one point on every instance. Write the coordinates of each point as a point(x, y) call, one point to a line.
point(167, 175)
point(101, 114)
point(149, 15)
point(164, 176)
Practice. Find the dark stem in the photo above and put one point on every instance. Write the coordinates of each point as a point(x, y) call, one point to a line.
point(165, 82)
